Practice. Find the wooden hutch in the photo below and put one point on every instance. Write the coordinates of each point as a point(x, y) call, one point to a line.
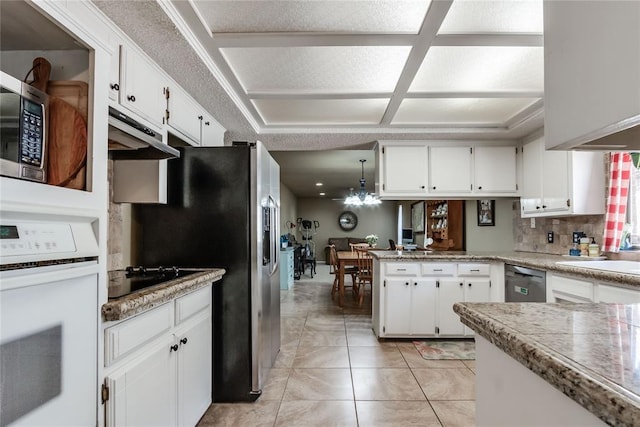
point(444, 223)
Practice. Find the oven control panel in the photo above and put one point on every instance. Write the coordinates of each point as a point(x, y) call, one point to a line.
point(35, 238)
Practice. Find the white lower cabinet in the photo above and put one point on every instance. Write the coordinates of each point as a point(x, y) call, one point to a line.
point(165, 381)
point(416, 299)
point(194, 371)
point(617, 295)
point(143, 393)
point(450, 292)
point(410, 307)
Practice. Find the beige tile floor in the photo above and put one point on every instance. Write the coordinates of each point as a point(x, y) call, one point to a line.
point(332, 371)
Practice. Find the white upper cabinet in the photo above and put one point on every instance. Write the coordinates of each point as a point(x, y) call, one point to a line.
point(495, 169)
point(188, 118)
point(212, 132)
point(450, 170)
point(559, 183)
point(591, 70)
point(184, 114)
point(403, 170)
point(142, 86)
point(419, 169)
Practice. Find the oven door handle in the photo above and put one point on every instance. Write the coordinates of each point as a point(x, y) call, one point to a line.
point(13, 279)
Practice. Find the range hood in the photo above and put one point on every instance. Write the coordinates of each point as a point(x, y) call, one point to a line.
point(130, 140)
point(623, 136)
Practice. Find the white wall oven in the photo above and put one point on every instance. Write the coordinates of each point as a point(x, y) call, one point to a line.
point(48, 320)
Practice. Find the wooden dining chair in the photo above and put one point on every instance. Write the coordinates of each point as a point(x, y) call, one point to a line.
point(365, 272)
point(355, 246)
point(334, 269)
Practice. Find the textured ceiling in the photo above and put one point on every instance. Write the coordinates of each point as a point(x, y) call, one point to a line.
point(326, 75)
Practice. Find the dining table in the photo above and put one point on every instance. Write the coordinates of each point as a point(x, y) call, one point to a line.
point(345, 259)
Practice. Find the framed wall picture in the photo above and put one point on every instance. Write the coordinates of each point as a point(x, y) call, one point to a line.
point(486, 212)
point(417, 217)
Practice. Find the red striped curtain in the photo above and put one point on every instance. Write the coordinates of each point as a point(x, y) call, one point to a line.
point(620, 173)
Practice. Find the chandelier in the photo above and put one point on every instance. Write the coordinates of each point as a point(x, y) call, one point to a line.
point(361, 197)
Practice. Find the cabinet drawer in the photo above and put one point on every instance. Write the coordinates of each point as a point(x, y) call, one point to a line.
point(193, 303)
point(572, 287)
point(402, 269)
point(134, 333)
point(474, 269)
point(438, 269)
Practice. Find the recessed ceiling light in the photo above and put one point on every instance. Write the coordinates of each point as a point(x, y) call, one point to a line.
point(323, 194)
point(318, 184)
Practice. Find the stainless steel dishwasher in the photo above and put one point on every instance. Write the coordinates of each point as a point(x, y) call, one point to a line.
point(524, 284)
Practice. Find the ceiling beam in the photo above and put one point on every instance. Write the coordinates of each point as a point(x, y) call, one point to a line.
point(435, 15)
point(508, 40)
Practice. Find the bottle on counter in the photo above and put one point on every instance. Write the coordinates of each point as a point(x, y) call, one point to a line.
point(584, 246)
point(594, 249)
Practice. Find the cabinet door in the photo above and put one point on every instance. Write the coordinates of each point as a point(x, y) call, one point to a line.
point(531, 192)
point(450, 170)
point(476, 290)
point(450, 292)
point(404, 169)
point(423, 307)
point(612, 294)
point(114, 69)
point(194, 371)
point(495, 170)
point(397, 306)
point(555, 181)
point(185, 115)
point(143, 392)
point(212, 132)
point(141, 87)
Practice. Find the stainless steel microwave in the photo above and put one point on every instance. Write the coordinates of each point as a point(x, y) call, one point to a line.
point(23, 130)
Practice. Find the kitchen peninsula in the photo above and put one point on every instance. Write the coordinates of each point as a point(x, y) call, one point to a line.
point(537, 363)
point(584, 357)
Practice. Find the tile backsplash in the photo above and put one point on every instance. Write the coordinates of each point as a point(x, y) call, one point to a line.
point(531, 239)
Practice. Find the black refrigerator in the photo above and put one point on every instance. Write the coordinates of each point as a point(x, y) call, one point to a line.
point(223, 208)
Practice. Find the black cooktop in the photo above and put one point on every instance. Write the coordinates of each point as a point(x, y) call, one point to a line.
point(132, 279)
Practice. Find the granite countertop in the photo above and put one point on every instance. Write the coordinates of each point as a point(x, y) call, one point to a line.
point(540, 261)
point(587, 351)
point(144, 299)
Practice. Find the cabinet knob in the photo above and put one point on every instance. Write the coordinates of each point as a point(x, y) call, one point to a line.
point(173, 348)
point(469, 284)
point(207, 123)
point(183, 340)
point(433, 188)
point(537, 207)
point(131, 98)
point(480, 187)
point(422, 187)
point(200, 117)
point(406, 283)
point(461, 284)
point(544, 206)
point(115, 86)
point(415, 283)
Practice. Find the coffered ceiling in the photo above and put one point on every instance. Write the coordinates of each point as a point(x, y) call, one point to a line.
point(326, 75)
point(384, 66)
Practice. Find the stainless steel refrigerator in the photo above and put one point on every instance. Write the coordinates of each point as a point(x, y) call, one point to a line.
point(223, 211)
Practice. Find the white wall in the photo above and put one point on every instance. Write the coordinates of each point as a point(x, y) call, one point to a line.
point(288, 208)
point(380, 220)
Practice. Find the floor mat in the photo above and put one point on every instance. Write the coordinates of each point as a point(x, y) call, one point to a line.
point(438, 349)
